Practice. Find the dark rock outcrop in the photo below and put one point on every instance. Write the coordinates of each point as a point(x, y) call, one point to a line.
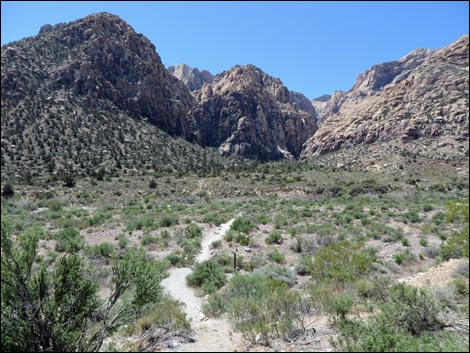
point(303, 103)
point(98, 57)
point(249, 113)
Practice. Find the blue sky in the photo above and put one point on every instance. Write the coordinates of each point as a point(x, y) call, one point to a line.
point(314, 47)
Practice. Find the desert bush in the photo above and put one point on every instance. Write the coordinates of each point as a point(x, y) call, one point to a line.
point(69, 240)
point(192, 231)
point(149, 239)
point(68, 298)
point(304, 266)
point(101, 250)
point(207, 276)
point(277, 273)
point(462, 270)
point(403, 324)
point(375, 287)
point(342, 262)
point(431, 251)
point(404, 257)
point(460, 287)
point(168, 221)
point(216, 244)
point(340, 304)
point(274, 238)
point(123, 241)
point(276, 256)
point(263, 309)
point(8, 190)
point(242, 225)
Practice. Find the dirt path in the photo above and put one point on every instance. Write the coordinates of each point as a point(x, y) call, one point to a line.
point(211, 335)
point(439, 275)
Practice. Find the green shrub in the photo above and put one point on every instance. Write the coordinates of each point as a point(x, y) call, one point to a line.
point(68, 180)
point(149, 239)
point(206, 276)
point(238, 237)
point(68, 298)
point(404, 257)
point(427, 208)
point(173, 259)
point(242, 225)
point(340, 304)
point(215, 306)
point(304, 266)
point(438, 218)
point(101, 250)
point(341, 262)
point(412, 216)
point(412, 309)
point(8, 190)
point(168, 221)
point(263, 219)
point(216, 244)
point(403, 324)
point(192, 231)
point(122, 241)
point(276, 256)
point(460, 287)
point(69, 240)
point(274, 238)
point(376, 287)
point(457, 245)
point(261, 308)
point(277, 273)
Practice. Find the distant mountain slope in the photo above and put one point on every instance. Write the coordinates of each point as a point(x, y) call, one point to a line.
point(191, 77)
point(90, 93)
point(423, 95)
point(249, 113)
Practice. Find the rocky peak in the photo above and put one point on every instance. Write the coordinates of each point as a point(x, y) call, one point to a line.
point(249, 113)
point(191, 77)
point(378, 76)
point(250, 79)
point(303, 103)
point(424, 95)
point(100, 57)
point(323, 98)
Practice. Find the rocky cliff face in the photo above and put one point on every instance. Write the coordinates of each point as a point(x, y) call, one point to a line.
point(249, 113)
point(97, 57)
point(191, 77)
point(320, 104)
point(423, 95)
point(303, 103)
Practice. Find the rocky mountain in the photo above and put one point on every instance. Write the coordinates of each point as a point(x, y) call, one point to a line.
point(191, 77)
point(424, 95)
point(303, 103)
point(246, 112)
point(320, 105)
point(89, 93)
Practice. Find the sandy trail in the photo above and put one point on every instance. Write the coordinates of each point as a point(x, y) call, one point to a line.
point(211, 335)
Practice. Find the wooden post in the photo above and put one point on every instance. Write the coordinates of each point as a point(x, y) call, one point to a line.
point(234, 260)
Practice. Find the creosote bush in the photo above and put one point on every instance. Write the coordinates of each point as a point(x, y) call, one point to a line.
point(206, 276)
point(37, 302)
point(262, 308)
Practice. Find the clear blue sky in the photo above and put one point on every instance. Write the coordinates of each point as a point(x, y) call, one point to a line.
point(314, 47)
